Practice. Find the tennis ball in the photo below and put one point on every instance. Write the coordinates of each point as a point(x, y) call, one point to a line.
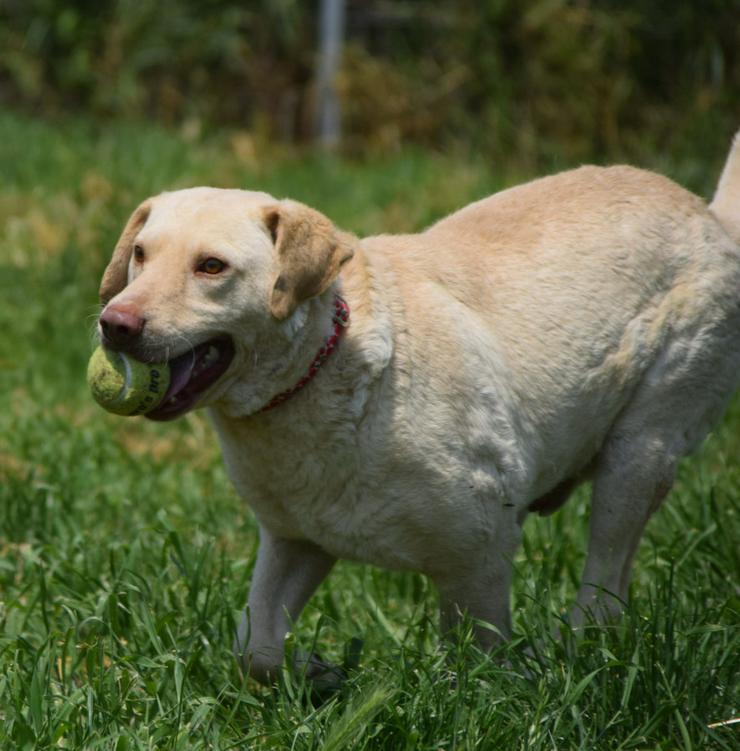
point(126, 386)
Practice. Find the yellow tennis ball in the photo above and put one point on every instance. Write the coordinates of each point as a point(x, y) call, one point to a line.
point(126, 386)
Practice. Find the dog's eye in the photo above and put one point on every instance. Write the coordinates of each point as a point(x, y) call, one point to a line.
point(138, 254)
point(211, 266)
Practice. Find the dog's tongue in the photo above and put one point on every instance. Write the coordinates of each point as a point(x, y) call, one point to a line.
point(181, 369)
point(191, 374)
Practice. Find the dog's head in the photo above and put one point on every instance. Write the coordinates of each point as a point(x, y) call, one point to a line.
point(217, 283)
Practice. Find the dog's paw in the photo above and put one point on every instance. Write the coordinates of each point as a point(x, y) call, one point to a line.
point(326, 679)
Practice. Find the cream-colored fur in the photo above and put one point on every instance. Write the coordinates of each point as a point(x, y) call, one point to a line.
point(581, 325)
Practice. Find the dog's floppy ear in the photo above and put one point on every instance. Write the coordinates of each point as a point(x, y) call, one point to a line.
point(310, 251)
point(115, 275)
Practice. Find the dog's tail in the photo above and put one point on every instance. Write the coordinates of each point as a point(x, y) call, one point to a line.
point(726, 203)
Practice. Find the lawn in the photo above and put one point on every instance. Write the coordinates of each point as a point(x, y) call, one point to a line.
point(125, 556)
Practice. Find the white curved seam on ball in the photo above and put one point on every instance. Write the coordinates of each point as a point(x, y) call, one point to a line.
point(126, 380)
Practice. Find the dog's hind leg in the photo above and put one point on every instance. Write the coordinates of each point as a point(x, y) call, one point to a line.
point(670, 415)
point(632, 477)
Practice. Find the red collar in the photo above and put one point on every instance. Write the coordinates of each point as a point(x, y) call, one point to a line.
point(341, 321)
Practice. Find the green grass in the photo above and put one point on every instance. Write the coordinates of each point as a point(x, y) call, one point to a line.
point(125, 556)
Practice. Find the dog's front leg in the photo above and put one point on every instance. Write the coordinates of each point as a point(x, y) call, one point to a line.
point(285, 576)
point(480, 589)
point(485, 600)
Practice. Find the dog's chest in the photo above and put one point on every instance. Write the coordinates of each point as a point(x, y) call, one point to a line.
point(391, 508)
point(301, 483)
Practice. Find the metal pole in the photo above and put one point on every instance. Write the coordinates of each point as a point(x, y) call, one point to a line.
point(331, 31)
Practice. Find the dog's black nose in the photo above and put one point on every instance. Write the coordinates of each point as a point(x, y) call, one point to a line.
point(120, 326)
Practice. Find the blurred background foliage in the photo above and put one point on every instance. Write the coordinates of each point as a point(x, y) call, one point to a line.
point(547, 79)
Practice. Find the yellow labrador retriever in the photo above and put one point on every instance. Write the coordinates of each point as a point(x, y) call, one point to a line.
point(407, 400)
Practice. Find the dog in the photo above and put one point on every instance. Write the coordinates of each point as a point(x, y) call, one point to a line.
point(407, 400)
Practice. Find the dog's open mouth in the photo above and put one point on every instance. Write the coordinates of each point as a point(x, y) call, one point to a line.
point(191, 374)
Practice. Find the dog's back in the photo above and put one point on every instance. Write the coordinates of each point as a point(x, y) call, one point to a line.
point(586, 287)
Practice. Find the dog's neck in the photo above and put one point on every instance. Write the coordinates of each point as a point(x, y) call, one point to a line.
point(340, 321)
